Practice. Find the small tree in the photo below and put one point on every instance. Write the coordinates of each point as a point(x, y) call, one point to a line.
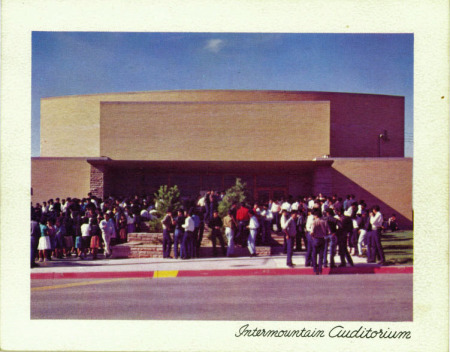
point(235, 194)
point(167, 198)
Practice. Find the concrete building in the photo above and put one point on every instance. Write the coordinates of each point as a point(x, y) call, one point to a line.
point(279, 142)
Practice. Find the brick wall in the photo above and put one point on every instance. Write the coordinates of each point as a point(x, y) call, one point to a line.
point(97, 181)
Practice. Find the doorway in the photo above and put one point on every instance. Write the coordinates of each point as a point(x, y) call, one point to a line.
point(263, 194)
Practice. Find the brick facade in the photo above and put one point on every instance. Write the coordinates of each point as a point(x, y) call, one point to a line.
point(97, 181)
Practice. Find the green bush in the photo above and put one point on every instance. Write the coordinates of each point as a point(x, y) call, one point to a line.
point(167, 198)
point(154, 226)
point(235, 194)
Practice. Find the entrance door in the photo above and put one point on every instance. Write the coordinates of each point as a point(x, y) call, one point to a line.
point(263, 194)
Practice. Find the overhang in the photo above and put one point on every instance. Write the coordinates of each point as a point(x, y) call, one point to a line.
point(210, 167)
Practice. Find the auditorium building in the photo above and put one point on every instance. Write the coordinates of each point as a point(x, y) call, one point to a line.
point(279, 142)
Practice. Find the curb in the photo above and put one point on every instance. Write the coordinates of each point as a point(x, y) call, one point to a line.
point(225, 272)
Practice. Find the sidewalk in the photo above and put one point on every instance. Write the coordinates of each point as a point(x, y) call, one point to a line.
point(217, 266)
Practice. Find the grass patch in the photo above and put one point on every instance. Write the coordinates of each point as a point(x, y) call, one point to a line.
point(398, 247)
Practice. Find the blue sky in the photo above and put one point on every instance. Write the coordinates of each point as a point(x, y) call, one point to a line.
point(68, 63)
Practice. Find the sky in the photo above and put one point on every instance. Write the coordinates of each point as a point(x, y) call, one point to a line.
point(73, 63)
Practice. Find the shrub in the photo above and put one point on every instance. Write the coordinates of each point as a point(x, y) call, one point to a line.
point(167, 198)
point(154, 226)
point(235, 194)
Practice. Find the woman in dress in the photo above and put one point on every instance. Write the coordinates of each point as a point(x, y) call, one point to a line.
point(44, 245)
point(95, 239)
point(52, 235)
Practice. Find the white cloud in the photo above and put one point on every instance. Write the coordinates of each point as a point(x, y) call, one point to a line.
point(214, 45)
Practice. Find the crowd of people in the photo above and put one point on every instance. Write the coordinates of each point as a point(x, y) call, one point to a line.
point(82, 227)
point(321, 226)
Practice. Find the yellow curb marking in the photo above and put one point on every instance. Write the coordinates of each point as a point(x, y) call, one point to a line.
point(74, 284)
point(165, 273)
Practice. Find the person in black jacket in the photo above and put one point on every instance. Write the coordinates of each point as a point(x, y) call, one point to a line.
point(35, 235)
point(178, 233)
point(215, 224)
point(341, 234)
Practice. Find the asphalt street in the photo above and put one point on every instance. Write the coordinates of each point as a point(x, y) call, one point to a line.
point(273, 298)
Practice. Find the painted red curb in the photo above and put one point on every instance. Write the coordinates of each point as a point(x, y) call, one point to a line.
point(226, 272)
point(92, 275)
point(296, 271)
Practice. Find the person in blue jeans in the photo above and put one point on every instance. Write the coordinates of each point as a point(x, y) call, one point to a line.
point(291, 232)
point(195, 246)
point(178, 233)
point(319, 230)
point(253, 227)
point(331, 239)
point(167, 222)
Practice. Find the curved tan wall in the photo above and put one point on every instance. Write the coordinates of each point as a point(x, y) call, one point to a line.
point(70, 126)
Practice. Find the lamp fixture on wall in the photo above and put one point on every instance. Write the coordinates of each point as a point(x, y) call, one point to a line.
point(382, 137)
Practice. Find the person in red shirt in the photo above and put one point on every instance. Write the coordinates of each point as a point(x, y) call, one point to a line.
point(242, 218)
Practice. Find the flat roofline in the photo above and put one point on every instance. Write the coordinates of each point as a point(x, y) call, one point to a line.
point(385, 158)
point(222, 90)
point(59, 157)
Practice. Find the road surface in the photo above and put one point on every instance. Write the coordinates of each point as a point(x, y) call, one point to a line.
point(381, 297)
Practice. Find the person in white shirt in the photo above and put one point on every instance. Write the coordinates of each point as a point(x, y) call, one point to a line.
point(286, 206)
point(108, 232)
point(294, 206)
point(44, 208)
point(187, 245)
point(253, 227)
point(131, 226)
point(311, 202)
point(309, 248)
point(145, 216)
point(283, 224)
point(275, 209)
point(376, 220)
point(266, 225)
point(85, 237)
point(64, 206)
point(201, 201)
